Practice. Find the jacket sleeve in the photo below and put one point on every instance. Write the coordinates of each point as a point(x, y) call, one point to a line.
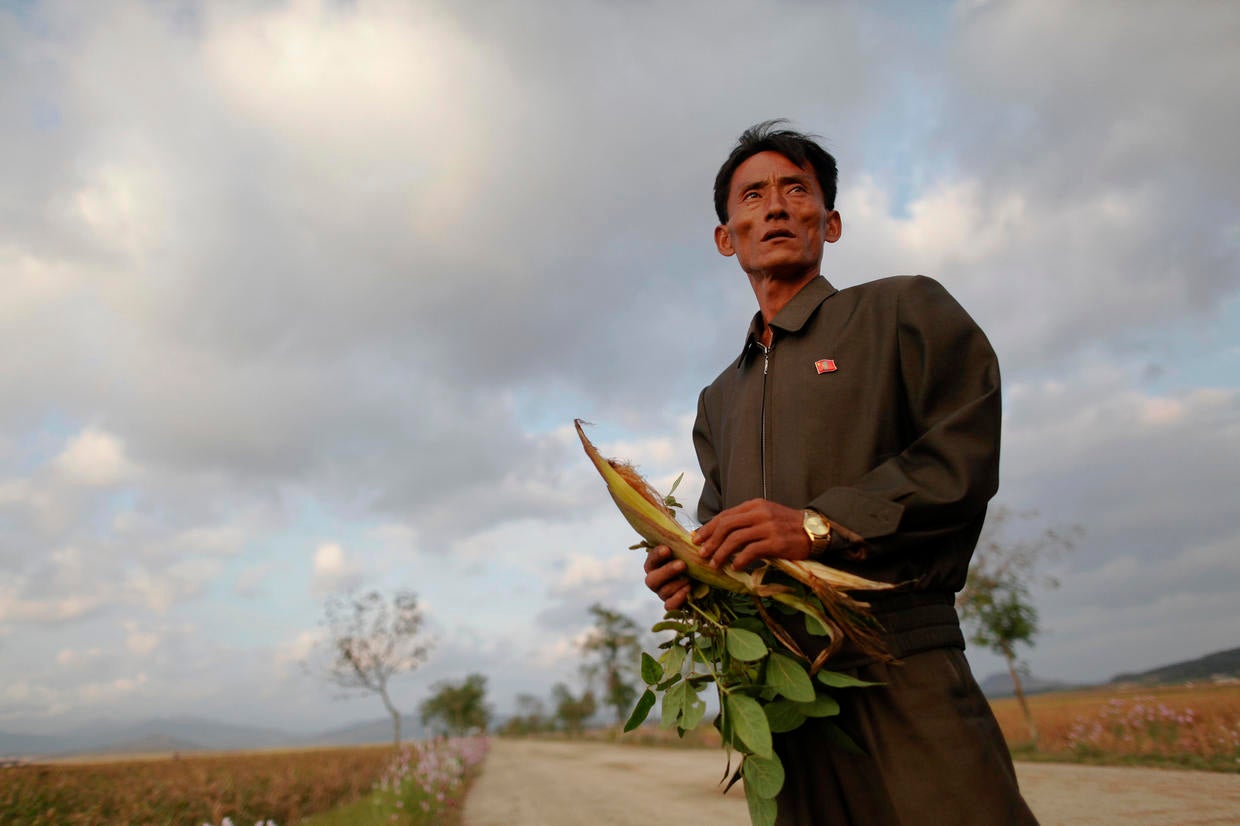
point(941, 481)
point(711, 500)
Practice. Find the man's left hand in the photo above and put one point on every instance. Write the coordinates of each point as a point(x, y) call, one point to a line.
point(754, 530)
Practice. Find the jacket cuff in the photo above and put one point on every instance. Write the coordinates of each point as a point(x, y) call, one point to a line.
point(869, 516)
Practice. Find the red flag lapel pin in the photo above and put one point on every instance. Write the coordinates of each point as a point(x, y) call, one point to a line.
point(825, 366)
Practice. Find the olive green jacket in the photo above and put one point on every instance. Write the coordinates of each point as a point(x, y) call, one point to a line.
point(878, 405)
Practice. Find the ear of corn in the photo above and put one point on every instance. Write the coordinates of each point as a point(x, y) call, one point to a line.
point(655, 522)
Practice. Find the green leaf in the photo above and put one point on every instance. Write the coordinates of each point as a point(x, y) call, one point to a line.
point(695, 710)
point(652, 672)
point(745, 645)
point(673, 704)
point(835, 679)
point(723, 724)
point(749, 624)
point(668, 683)
point(840, 738)
point(822, 706)
point(814, 626)
point(783, 715)
point(789, 678)
point(749, 723)
point(673, 659)
point(761, 809)
point(810, 608)
point(672, 625)
point(641, 710)
point(765, 775)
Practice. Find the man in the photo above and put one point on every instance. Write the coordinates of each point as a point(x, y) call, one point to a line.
point(859, 427)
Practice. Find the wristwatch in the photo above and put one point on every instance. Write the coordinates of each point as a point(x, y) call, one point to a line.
point(819, 530)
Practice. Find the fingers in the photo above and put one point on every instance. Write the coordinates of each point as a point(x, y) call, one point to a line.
point(752, 531)
point(677, 600)
point(747, 538)
point(657, 556)
point(665, 575)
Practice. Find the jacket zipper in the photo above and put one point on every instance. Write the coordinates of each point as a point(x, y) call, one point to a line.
point(766, 366)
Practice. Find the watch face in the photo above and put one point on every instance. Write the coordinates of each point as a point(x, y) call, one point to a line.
point(815, 524)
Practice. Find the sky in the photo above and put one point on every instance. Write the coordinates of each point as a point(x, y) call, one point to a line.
point(301, 298)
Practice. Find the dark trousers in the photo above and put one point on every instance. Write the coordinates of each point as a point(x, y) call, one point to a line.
point(934, 754)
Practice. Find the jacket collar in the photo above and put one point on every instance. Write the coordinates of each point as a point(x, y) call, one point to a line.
point(792, 317)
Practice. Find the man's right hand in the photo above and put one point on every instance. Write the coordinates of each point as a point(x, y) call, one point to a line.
point(665, 575)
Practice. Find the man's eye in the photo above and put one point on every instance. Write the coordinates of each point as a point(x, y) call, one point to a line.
point(749, 196)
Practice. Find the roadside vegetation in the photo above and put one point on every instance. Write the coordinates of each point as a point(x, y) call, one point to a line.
point(1193, 726)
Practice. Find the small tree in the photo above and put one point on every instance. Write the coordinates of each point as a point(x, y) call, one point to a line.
point(531, 716)
point(572, 712)
point(372, 639)
point(996, 604)
point(613, 650)
point(458, 708)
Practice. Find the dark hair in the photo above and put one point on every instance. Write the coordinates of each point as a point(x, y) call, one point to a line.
point(795, 146)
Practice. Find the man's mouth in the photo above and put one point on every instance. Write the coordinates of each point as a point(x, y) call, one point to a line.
point(778, 233)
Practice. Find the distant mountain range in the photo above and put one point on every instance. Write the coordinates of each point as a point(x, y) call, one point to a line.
point(1209, 667)
point(999, 685)
point(188, 734)
point(193, 734)
point(1220, 664)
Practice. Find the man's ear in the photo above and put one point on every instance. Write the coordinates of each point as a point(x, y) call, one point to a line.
point(834, 228)
point(723, 241)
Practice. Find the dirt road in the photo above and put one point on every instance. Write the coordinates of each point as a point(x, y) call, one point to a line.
point(527, 783)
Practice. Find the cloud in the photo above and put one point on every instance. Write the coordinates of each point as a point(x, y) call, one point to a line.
point(140, 642)
point(70, 658)
point(585, 572)
point(94, 458)
point(333, 570)
point(18, 607)
point(299, 648)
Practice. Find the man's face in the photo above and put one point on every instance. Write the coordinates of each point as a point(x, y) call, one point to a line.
point(777, 218)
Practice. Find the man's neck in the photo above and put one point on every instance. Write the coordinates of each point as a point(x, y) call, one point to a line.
point(772, 294)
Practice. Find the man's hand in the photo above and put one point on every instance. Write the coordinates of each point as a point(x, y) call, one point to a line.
point(665, 575)
point(754, 530)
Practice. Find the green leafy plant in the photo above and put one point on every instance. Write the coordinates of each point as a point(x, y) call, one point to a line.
point(732, 636)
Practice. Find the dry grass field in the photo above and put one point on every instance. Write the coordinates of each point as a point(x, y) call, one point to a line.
point(1194, 726)
point(284, 786)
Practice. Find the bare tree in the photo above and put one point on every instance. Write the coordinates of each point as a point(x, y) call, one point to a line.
point(997, 604)
point(371, 640)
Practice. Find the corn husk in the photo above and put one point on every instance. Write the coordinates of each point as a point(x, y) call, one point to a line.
point(840, 615)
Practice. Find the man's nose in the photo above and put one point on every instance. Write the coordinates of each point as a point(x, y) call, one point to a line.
point(776, 206)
